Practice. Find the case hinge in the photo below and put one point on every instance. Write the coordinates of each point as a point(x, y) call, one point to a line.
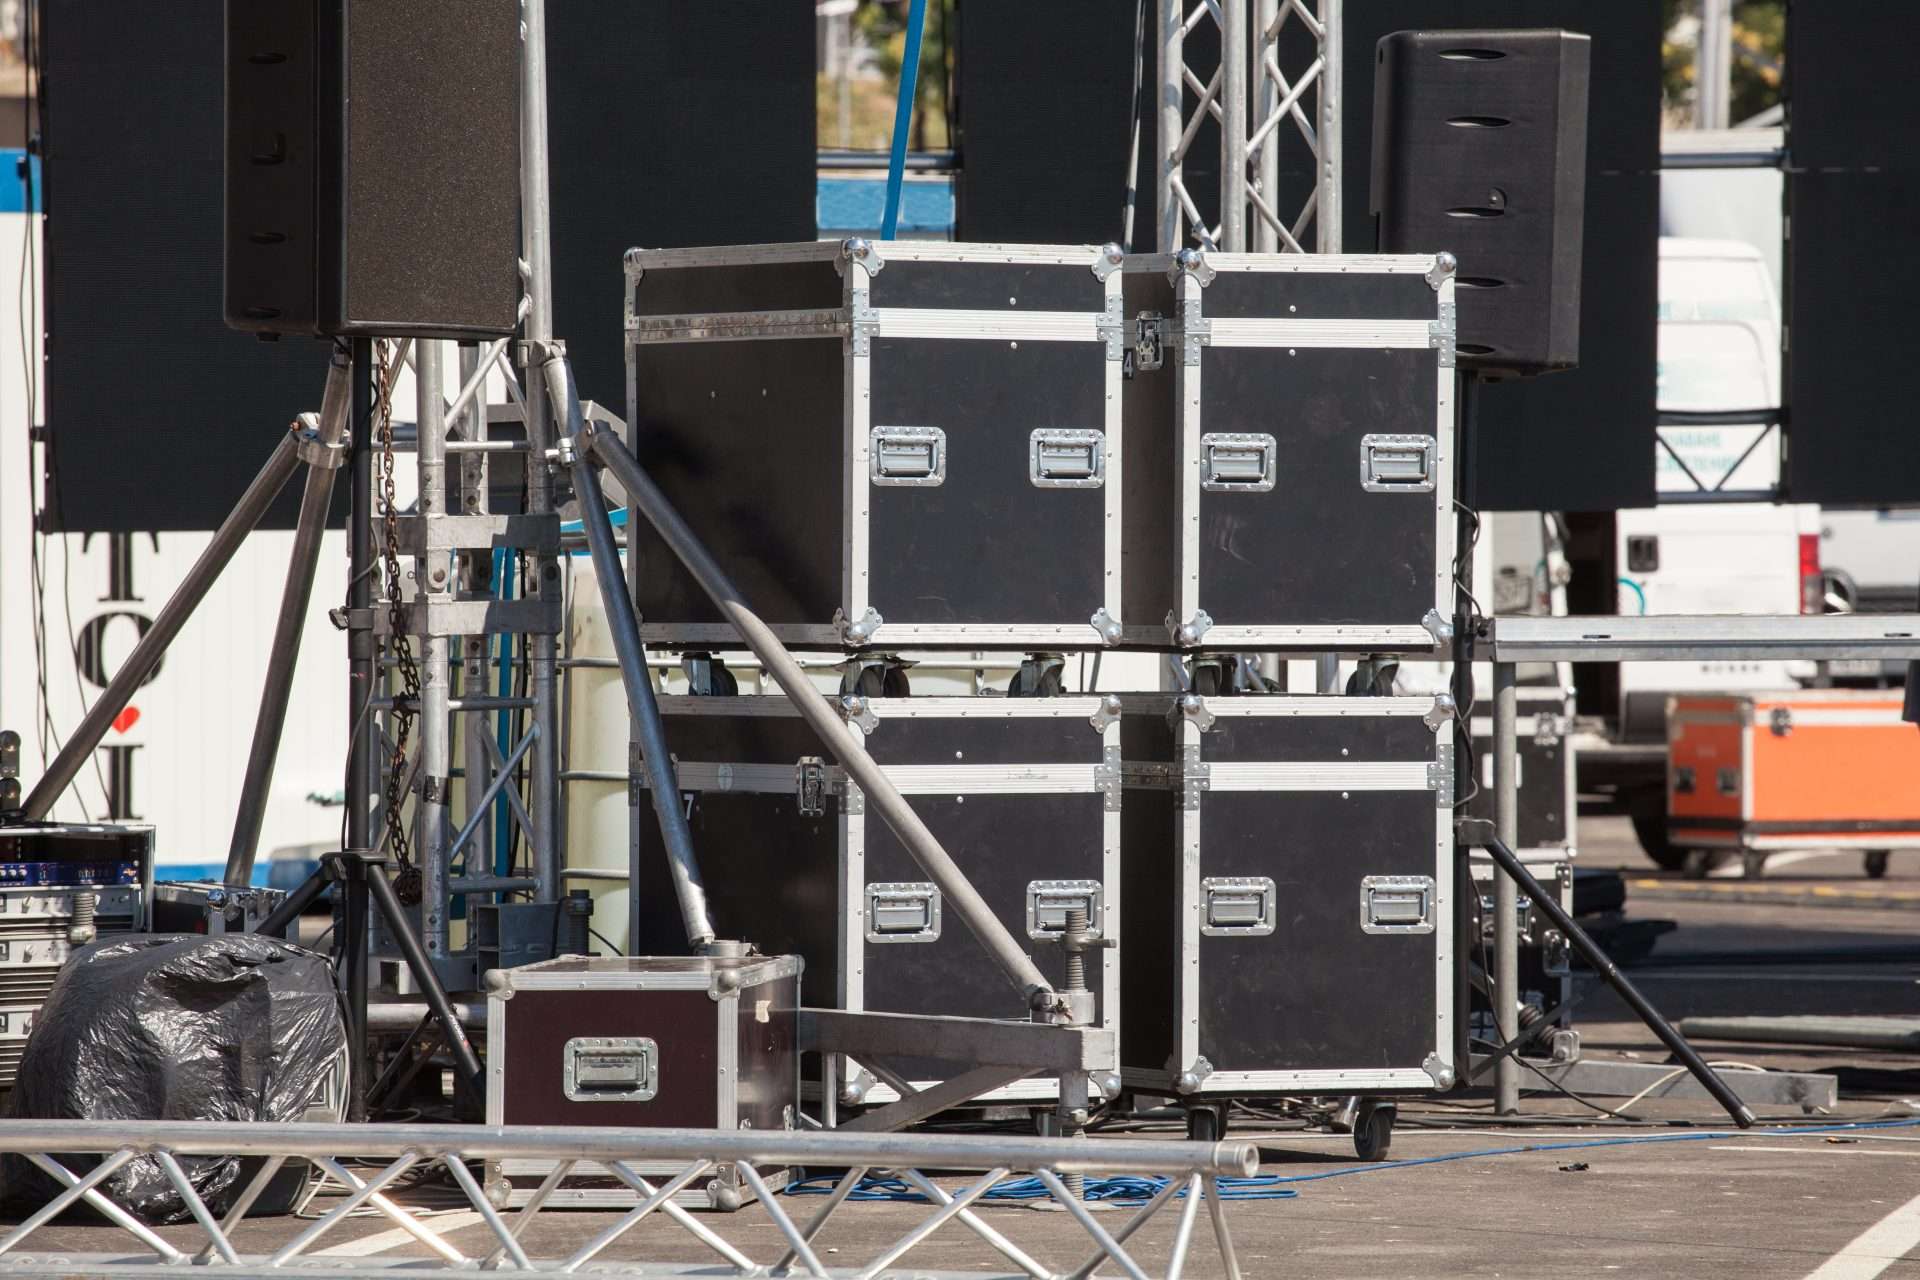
point(1440, 774)
point(810, 786)
point(862, 323)
point(1109, 776)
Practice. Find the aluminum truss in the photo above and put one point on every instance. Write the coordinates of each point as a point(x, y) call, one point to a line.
point(1260, 106)
point(80, 1155)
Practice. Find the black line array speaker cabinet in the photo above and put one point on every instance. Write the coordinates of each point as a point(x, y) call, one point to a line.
point(373, 167)
point(1853, 183)
point(1480, 149)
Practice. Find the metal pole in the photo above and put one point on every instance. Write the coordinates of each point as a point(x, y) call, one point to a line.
point(644, 497)
point(543, 574)
point(1233, 128)
point(373, 874)
point(1169, 218)
point(642, 708)
point(1713, 66)
point(1515, 872)
point(146, 655)
point(431, 574)
point(302, 565)
point(1506, 900)
point(362, 760)
point(1266, 94)
point(476, 580)
point(352, 878)
point(1329, 210)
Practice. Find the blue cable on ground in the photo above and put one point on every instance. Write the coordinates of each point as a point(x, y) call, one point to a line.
point(903, 116)
point(1139, 1189)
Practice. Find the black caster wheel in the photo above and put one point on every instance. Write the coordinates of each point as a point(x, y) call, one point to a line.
point(1753, 864)
point(1877, 863)
point(1373, 1131)
point(1698, 862)
point(1203, 1124)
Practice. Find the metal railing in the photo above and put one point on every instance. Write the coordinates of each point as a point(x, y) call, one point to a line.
point(80, 1155)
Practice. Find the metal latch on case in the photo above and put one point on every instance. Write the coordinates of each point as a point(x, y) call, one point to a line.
point(1396, 904)
point(610, 1069)
point(1397, 464)
point(1237, 461)
point(909, 455)
point(1236, 905)
point(1067, 458)
point(903, 912)
point(810, 786)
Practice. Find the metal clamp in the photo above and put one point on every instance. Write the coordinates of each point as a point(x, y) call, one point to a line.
point(1236, 906)
point(907, 456)
point(610, 1069)
point(1237, 462)
point(1398, 464)
point(1067, 458)
point(1048, 902)
point(1396, 904)
point(903, 912)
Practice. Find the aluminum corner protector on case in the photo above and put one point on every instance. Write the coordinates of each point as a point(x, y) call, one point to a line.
point(1109, 712)
point(1442, 711)
point(1444, 265)
point(855, 711)
point(1441, 1073)
point(1438, 627)
point(1107, 259)
point(859, 630)
point(1106, 626)
point(1188, 633)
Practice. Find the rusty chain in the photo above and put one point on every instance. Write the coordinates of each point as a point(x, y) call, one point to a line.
point(407, 705)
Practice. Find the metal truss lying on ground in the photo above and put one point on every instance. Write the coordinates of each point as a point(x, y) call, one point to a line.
point(80, 1155)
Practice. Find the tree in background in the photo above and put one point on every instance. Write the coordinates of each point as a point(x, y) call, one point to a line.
point(1759, 57)
point(879, 30)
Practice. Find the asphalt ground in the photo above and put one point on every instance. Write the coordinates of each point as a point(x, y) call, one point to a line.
point(1560, 1191)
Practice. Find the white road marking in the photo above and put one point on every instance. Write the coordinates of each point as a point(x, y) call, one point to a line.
point(1734, 871)
point(1875, 1249)
point(393, 1239)
point(1831, 1150)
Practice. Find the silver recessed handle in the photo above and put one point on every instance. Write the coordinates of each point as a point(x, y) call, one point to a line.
point(610, 1069)
point(1048, 902)
point(1237, 462)
point(908, 456)
point(1397, 464)
point(1236, 905)
point(1396, 904)
point(903, 912)
point(1067, 458)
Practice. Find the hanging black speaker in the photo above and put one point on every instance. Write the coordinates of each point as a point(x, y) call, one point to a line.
point(1479, 149)
point(373, 167)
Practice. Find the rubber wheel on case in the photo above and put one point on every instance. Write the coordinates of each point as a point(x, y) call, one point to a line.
point(1877, 863)
point(1373, 1130)
point(1203, 1124)
point(1696, 864)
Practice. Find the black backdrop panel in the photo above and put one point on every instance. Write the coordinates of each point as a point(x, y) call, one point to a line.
point(158, 414)
point(1851, 311)
point(670, 123)
point(1852, 274)
point(1581, 440)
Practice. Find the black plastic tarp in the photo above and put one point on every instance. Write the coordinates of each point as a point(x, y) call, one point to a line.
point(178, 1027)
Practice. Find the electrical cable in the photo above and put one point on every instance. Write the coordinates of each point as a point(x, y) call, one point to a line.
point(603, 937)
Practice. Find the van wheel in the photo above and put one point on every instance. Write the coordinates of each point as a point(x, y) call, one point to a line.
point(1651, 830)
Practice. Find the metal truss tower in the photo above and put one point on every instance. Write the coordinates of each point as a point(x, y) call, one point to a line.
point(1256, 101)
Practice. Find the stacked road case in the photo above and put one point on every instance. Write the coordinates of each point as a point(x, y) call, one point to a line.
point(1054, 448)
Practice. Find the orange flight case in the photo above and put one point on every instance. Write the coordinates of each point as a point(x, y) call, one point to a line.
point(1815, 768)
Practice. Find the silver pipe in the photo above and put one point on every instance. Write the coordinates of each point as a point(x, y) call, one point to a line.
point(431, 573)
point(683, 863)
point(595, 873)
point(486, 446)
point(1233, 130)
point(838, 1148)
point(1506, 896)
point(173, 615)
point(1265, 96)
point(490, 884)
point(474, 379)
point(1329, 209)
point(386, 1016)
point(302, 565)
point(503, 776)
point(881, 794)
point(543, 575)
point(1168, 232)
